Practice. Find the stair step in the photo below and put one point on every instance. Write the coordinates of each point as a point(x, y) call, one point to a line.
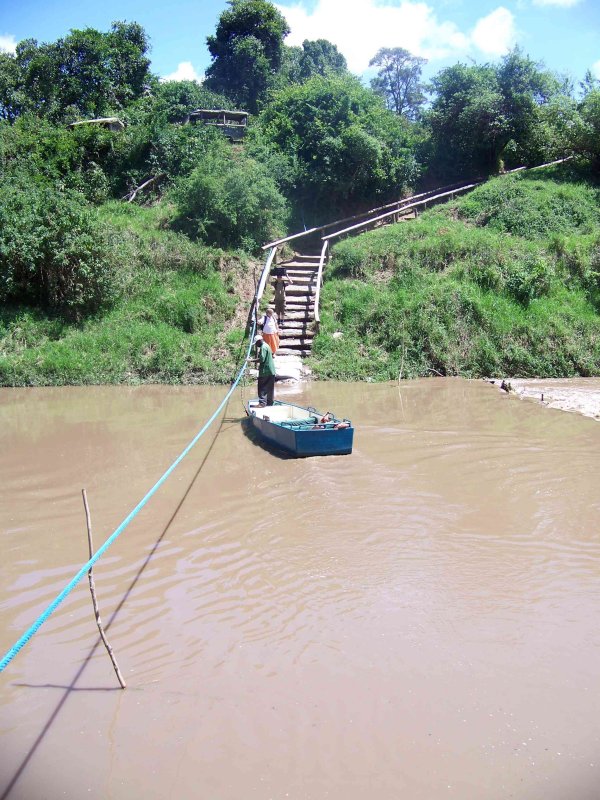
point(298, 265)
point(288, 351)
point(302, 343)
point(297, 308)
point(300, 290)
point(299, 316)
point(296, 327)
point(302, 277)
point(296, 331)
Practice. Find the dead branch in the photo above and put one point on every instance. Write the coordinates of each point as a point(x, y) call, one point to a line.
point(93, 591)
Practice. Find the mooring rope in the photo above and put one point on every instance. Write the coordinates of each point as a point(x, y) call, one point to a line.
point(86, 567)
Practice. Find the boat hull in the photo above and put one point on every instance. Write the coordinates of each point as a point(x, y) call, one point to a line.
point(302, 437)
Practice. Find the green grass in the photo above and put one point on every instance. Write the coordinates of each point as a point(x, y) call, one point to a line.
point(172, 325)
point(527, 205)
point(505, 281)
point(463, 291)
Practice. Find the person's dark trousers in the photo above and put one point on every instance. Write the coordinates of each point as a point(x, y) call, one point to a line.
point(266, 390)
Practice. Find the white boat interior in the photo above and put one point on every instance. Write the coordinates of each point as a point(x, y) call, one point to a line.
point(283, 413)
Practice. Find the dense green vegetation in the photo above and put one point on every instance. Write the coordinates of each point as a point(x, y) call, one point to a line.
point(126, 255)
point(505, 281)
point(178, 318)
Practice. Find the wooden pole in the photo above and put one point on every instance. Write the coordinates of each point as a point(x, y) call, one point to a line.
point(93, 591)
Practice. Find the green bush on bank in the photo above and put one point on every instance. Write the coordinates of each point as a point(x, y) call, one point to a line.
point(231, 201)
point(437, 243)
point(437, 325)
point(174, 322)
point(529, 206)
point(54, 251)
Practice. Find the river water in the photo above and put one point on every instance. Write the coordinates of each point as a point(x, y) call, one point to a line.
point(417, 620)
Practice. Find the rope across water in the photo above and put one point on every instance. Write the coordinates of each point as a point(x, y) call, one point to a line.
point(8, 657)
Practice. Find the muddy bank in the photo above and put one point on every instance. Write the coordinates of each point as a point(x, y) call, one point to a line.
point(578, 395)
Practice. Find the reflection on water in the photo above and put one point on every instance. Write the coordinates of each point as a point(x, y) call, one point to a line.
point(418, 619)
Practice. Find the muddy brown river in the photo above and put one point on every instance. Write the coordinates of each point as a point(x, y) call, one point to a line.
point(417, 620)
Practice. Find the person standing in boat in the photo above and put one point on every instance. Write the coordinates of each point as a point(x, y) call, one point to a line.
point(266, 372)
point(270, 330)
point(281, 281)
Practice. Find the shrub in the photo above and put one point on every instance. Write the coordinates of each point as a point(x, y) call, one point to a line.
point(230, 201)
point(54, 252)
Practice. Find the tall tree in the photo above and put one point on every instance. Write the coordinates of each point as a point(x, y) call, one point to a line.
point(345, 150)
point(246, 51)
point(87, 73)
point(584, 133)
point(318, 57)
point(398, 80)
point(321, 57)
point(11, 96)
point(484, 115)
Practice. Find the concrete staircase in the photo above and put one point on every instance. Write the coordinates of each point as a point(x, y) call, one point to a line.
point(296, 333)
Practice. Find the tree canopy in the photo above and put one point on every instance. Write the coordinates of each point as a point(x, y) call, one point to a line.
point(246, 51)
point(398, 80)
point(319, 57)
point(85, 74)
point(344, 147)
point(484, 115)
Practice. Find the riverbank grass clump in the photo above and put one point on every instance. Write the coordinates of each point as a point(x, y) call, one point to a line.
point(466, 289)
point(178, 317)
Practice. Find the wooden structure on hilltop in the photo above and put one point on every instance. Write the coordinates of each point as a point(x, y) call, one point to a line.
point(232, 123)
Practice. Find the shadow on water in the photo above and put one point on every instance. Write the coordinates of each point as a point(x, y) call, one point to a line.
point(255, 438)
point(72, 686)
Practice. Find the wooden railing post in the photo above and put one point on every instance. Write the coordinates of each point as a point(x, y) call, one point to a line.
point(324, 254)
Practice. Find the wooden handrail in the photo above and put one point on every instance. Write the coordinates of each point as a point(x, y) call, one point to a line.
point(293, 236)
point(261, 284)
point(453, 190)
point(358, 216)
point(265, 275)
point(320, 280)
point(397, 210)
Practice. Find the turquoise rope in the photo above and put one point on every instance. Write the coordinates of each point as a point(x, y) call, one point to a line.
point(86, 567)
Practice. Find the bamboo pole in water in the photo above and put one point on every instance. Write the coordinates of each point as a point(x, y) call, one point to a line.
point(93, 592)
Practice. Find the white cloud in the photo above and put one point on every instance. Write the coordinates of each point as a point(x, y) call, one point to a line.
point(184, 72)
point(8, 43)
point(362, 27)
point(559, 3)
point(495, 34)
point(596, 69)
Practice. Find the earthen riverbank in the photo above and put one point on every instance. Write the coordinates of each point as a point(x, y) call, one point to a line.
point(578, 395)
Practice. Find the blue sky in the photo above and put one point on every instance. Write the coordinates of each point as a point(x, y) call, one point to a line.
point(565, 34)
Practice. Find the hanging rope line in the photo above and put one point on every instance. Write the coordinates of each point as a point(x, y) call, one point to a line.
point(8, 657)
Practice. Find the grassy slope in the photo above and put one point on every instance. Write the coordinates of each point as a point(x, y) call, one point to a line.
point(504, 281)
point(180, 319)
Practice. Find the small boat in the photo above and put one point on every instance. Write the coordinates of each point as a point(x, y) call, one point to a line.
point(301, 431)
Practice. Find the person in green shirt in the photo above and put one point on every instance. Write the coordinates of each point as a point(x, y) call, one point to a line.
point(266, 372)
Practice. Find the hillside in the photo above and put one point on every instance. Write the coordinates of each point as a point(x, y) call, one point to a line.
point(131, 231)
point(505, 281)
point(179, 317)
